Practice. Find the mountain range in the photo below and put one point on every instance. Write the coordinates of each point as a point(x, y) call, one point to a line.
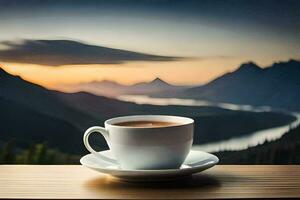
point(33, 114)
point(277, 85)
point(112, 88)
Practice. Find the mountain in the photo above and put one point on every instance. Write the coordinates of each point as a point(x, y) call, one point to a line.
point(277, 85)
point(111, 88)
point(105, 87)
point(32, 114)
point(39, 99)
point(156, 85)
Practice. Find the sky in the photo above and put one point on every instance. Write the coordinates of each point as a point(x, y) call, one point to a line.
point(183, 42)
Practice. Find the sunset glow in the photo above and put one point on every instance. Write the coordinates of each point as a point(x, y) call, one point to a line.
point(216, 42)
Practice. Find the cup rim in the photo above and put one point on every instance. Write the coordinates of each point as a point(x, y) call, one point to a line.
point(172, 118)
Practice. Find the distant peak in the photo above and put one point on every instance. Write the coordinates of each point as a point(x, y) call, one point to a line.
point(249, 66)
point(293, 61)
point(157, 80)
point(290, 63)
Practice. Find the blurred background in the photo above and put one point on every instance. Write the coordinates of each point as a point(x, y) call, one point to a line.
point(233, 66)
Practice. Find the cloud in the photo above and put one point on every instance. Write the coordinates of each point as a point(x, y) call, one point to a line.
point(69, 52)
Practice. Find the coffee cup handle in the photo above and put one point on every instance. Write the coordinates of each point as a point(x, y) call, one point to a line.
point(104, 132)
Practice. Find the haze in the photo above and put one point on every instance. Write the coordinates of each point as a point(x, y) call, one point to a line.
point(209, 38)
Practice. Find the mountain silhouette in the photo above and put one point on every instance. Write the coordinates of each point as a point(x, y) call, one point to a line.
point(111, 88)
point(156, 85)
point(249, 66)
point(277, 86)
point(33, 114)
point(157, 82)
point(38, 98)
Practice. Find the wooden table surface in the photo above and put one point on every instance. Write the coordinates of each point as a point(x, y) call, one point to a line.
point(76, 182)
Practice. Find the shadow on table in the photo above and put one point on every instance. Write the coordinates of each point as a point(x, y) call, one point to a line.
point(197, 180)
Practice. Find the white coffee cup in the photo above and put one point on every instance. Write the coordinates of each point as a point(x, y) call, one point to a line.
point(145, 147)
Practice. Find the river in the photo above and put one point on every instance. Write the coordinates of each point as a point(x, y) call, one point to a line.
point(233, 144)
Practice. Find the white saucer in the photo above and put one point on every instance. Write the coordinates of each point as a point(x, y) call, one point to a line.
point(195, 162)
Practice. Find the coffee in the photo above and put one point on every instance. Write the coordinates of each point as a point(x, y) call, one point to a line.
point(147, 124)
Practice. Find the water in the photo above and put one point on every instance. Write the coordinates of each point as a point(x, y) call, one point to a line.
point(236, 143)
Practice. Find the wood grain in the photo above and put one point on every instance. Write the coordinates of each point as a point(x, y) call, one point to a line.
point(77, 182)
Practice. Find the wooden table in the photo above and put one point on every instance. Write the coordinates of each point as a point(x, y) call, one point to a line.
point(77, 182)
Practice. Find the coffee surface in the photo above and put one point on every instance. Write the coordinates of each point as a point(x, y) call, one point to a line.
point(146, 124)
